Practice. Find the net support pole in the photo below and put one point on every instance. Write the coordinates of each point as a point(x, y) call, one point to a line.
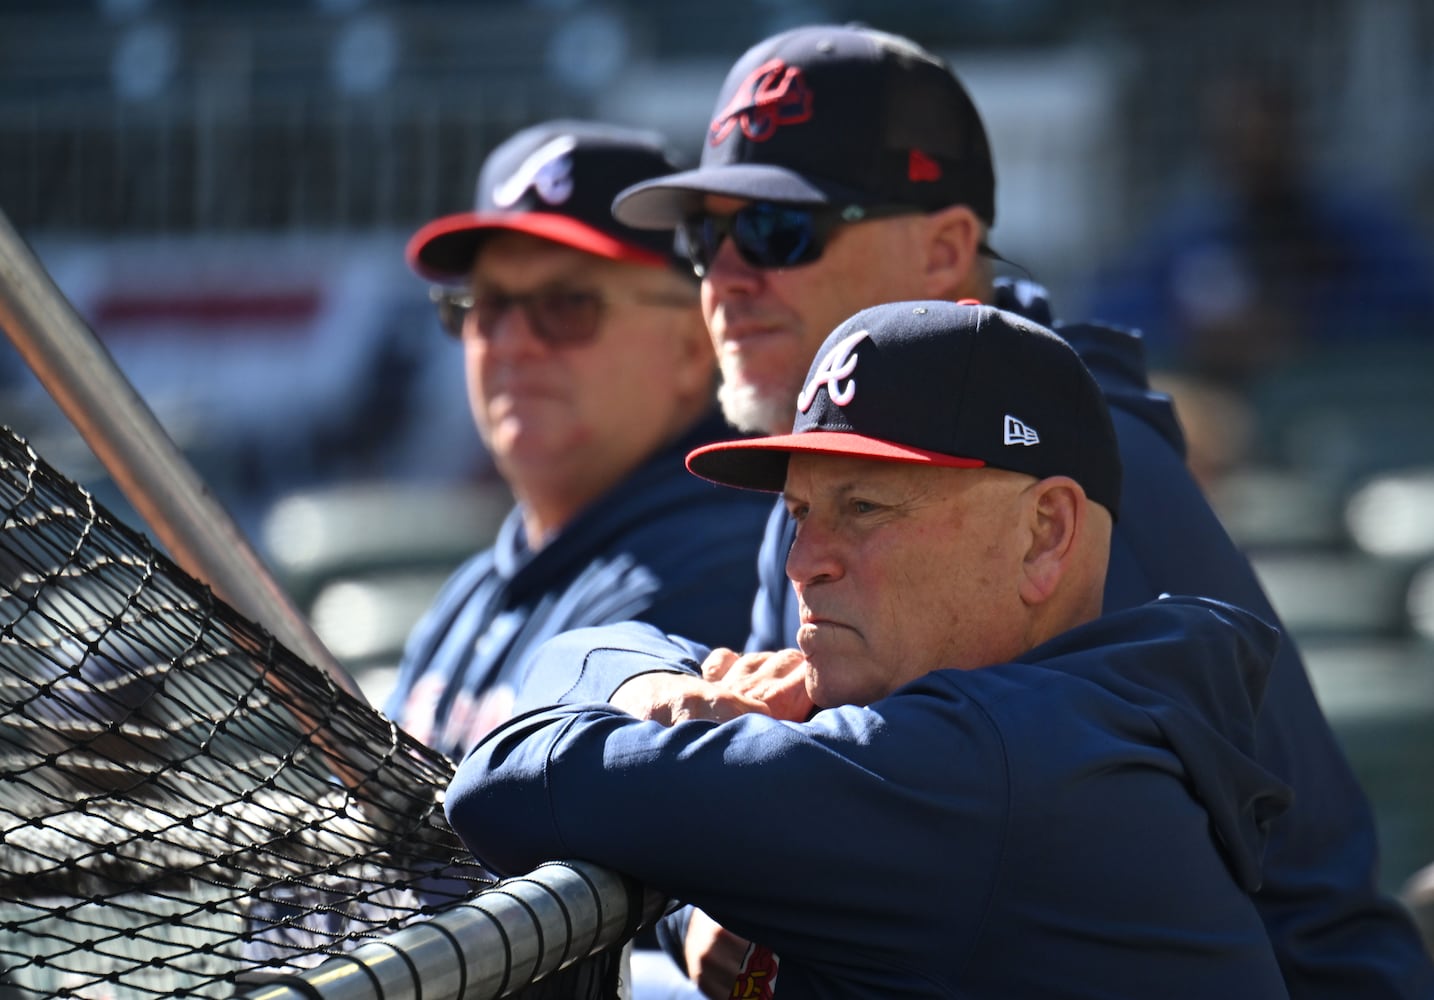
point(502, 940)
point(125, 436)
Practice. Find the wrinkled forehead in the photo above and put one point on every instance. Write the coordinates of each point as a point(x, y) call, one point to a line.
point(806, 470)
point(812, 474)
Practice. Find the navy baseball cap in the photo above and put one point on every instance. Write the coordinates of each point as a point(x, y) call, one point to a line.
point(557, 181)
point(946, 384)
point(832, 114)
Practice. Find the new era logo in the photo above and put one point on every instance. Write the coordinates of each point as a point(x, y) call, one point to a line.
point(1017, 432)
point(920, 167)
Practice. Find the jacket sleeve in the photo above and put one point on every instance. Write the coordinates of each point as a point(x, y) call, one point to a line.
point(572, 668)
point(755, 820)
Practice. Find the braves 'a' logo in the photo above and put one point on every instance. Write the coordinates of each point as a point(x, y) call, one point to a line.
point(548, 170)
point(836, 364)
point(774, 94)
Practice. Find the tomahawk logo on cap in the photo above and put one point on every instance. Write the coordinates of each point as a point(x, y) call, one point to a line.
point(938, 383)
point(772, 95)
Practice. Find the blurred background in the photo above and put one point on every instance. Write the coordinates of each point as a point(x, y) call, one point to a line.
point(223, 189)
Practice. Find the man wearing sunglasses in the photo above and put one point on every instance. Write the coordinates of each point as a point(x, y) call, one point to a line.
point(589, 377)
point(844, 167)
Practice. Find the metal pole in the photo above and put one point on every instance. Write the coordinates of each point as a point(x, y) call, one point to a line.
point(127, 438)
point(501, 940)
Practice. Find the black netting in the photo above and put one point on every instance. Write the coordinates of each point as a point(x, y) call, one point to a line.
point(187, 805)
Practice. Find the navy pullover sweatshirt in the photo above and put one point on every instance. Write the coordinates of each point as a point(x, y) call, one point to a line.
point(1085, 822)
point(1336, 935)
point(663, 547)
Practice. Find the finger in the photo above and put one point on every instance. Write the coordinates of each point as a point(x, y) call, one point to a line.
point(791, 702)
point(746, 665)
point(715, 667)
point(658, 696)
point(751, 671)
point(713, 955)
point(722, 706)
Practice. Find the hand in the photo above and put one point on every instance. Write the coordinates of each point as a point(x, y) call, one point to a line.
point(778, 680)
point(732, 684)
point(670, 698)
point(713, 955)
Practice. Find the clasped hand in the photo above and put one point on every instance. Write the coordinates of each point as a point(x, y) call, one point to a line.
point(732, 684)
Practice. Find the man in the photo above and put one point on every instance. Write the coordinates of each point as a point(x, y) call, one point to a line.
point(845, 167)
point(1004, 795)
point(589, 377)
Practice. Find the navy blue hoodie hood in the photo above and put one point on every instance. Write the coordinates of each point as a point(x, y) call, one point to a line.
point(1206, 716)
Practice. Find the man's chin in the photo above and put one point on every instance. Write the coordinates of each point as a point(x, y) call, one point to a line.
point(756, 411)
point(825, 687)
point(824, 697)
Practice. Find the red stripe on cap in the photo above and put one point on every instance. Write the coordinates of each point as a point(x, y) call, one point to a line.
point(839, 443)
point(560, 229)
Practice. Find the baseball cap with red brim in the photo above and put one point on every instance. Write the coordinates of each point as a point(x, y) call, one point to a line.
point(555, 181)
point(944, 384)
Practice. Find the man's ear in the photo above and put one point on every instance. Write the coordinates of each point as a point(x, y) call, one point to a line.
point(1056, 507)
point(953, 241)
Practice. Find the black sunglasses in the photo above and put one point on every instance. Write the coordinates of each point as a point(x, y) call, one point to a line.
point(769, 234)
point(559, 317)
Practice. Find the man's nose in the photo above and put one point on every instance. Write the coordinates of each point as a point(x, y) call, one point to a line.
point(728, 271)
point(813, 556)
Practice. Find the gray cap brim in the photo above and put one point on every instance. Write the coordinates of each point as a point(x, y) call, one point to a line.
point(663, 203)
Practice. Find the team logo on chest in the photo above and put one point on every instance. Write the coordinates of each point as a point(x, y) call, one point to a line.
point(837, 364)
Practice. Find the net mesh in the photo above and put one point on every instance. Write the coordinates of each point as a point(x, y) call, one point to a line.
point(186, 805)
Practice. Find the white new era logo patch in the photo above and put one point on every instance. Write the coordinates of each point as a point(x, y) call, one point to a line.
point(1017, 432)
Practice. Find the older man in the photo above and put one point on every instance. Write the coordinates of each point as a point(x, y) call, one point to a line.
point(1004, 794)
point(844, 167)
point(589, 378)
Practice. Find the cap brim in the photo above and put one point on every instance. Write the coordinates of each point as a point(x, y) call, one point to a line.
point(444, 249)
point(664, 202)
point(761, 463)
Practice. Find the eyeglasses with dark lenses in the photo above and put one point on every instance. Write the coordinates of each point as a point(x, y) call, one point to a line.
point(770, 234)
point(559, 317)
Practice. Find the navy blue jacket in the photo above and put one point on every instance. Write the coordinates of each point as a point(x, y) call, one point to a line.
point(663, 546)
point(1086, 821)
point(1336, 935)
